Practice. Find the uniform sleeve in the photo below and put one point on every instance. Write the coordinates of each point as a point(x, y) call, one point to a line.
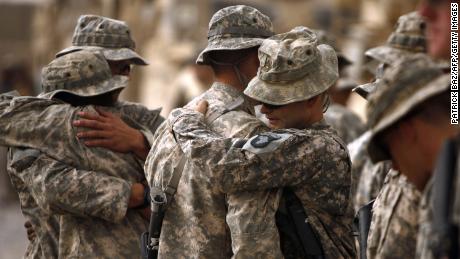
point(242, 166)
point(42, 124)
point(59, 188)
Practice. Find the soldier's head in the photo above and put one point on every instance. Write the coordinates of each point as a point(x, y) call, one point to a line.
point(294, 75)
point(409, 117)
point(234, 35)
point(437, 15)
point(82, 78)
point(407, 39)
point(110, 37)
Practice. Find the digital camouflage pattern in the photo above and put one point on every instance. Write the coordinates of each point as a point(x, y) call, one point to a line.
point(197, 218)
point(425, 233)
point(82, 73)
point(314, 162)
point(394, 226)
point(412, 81)
point(347, 124)
point(235, 28)
point(45, 225)
point(408, 38)
point(90, 187)
point(101, 34)
point(293, 67)
point(328, 39)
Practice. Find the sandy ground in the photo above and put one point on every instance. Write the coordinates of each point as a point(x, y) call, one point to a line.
point(13, 240)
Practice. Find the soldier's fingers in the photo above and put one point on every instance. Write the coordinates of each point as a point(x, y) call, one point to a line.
point(27, 224)
point(104, 113)
point(90, 116)
point(30, 231)
point(93, 134)
point(202, 106)
point(99, 143)
point(92, 124)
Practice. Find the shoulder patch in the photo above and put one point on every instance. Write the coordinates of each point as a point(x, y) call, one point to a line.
point(265, 142)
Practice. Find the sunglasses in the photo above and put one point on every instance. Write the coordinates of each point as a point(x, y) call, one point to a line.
point(272, 106)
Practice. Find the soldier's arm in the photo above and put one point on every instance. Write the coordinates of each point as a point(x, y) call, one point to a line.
point(59, 188)
point(242, 165)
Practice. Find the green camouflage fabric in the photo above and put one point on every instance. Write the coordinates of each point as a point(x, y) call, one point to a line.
point(198, 216)
point(235, 28)
point(313, 161)
point(411, 82)
point(394, 225)
point(101, 34)
point(407, 38)
point(90, 187)
point(81, 74)
point(347, 124)
point(46, 225)
point(293, 67)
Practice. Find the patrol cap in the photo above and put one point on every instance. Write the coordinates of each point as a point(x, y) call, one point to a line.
point(236, 28)
point(82, 74)
point(109, 36)
point(407, 38)
point(408, 84)
point(293, 67)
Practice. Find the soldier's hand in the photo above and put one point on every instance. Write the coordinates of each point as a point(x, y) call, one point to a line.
point(202, 107)
point(110, 131)
point(30, 231)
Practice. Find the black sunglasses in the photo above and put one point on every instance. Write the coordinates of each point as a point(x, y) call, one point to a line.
point(272, 106)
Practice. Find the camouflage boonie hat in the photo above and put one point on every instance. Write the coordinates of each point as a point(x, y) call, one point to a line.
point(325, 38)
point(82, 74)
point(109, 36)
point(293, 67)
point(236, 28)
point(408, 84)
point(407, 38)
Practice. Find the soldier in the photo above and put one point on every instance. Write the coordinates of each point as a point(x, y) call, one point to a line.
point(97, 192)
point(197, 218)
point(410, 103)
point(440, 206)
point(112, 39)
point(292, 81)
point(407, 39)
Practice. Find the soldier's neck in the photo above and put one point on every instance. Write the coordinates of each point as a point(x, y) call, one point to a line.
point(231, 80)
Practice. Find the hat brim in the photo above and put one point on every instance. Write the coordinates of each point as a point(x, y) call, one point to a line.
point(433, 88)
point(318, 80)
point(109, 54)
point(227, 44)
point(366, 89)
point(113, 84)
point(386, 54)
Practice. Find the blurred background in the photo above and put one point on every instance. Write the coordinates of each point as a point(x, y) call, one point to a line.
point(169, 34)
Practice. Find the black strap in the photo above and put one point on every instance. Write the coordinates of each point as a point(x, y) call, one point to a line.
point(305, 234)
point(361, 224)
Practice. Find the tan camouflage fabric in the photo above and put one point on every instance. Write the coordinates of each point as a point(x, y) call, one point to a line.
point(407, 38)
point(293, 67)
point(328, 39)
point(46, 226)
point(425, 233)
point(81, 74)
point(411, 82)
point(313, 161)
point(197, 218)
point(101, 34)
point(93, 195)
point(235, 28)
point(394, 226)
point(347, 124)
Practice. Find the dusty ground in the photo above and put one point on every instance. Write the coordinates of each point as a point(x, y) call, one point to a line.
point(13, 241)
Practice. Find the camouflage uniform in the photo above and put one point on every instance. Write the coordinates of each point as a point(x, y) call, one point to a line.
point(394, 224)
point(196, 219)
point(407, 39)
point(403, 88)
point(301, 155)
point(89, 187)
point(347, 124)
